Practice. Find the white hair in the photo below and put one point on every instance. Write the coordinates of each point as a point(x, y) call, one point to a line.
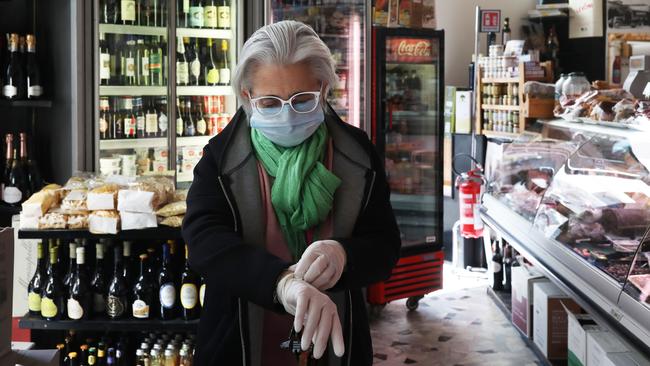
point(284, 43)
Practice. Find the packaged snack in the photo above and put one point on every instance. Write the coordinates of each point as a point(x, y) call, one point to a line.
point(173, 221)
point(39, 203)
point(146, 195)
point(53, 220)
point(75, 202)
point(78, 221)
point(102, 197)
point(173, 209)
point(104, 222)
point(180, 195)
point(135, 220)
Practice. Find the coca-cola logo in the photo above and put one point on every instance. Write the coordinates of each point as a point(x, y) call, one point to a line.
point(417, 49)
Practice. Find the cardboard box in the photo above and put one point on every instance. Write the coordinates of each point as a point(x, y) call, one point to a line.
point(599, 345)
point(6, 288)
point(550, 320)
point(463, 111)
point(579, 326)
point(429, 14)
point(41, 357)
point(523, 279)
point(625, 359)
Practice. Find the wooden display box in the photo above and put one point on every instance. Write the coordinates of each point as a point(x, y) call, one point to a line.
point(537, 108)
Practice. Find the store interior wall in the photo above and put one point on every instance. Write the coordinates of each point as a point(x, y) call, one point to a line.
point(456, 17)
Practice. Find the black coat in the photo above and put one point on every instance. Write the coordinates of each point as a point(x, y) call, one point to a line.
point(239, 272)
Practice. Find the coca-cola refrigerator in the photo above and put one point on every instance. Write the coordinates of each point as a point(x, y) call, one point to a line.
point(407, 128)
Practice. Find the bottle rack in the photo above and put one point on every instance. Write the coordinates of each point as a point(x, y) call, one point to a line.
point(528, 108)
point(104, 324)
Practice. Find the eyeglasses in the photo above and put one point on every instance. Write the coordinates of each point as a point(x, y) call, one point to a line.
point(271, 106)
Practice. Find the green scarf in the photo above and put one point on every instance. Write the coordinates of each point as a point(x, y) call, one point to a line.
point(303, 192)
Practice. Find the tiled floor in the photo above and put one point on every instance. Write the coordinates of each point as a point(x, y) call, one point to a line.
point(459, 325)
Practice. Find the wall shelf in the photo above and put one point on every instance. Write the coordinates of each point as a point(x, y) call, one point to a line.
point(142, 143)
point(159, 233)
point(132, 90)
point(105, 324)
point(204, 33)
point(132, 29)
point(203, 90)
point(28, 103)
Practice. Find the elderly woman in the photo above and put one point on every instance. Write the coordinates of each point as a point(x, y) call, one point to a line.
point(288, 216)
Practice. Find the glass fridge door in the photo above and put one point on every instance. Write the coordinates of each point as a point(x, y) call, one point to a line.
point(131, 59)
point(206, 48)
point(341, 24)
point(412, 138)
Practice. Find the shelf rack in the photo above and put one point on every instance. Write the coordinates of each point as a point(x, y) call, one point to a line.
point(28, 103)
point(108, 325)
point(204, 33)
point(142, 143)
point(133, 90)
point(132, 29)
point(527, 107)
point(159, 233)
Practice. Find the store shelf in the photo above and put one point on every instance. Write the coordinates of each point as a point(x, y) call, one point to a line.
point(193, 140)
point(161, 233)
point(501, 107)
point(204, 33)
point(132, 143)
point(39, 103)
point(502, 135)
point(107, 325)
point(203, 90)
point(500, 80)
point(132, 29)
point(132, 90)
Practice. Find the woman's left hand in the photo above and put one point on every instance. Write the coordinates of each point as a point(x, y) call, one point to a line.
point(322, 264)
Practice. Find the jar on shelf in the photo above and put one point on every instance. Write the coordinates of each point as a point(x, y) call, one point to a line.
point(576, 85)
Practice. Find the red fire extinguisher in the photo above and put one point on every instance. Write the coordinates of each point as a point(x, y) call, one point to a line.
point(471, 186)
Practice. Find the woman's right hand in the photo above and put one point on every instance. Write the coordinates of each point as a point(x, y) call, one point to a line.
point(315, 311)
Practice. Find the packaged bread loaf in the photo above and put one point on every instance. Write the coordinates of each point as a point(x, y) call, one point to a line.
point(103, 197)
point(39, 203)
point(137, 220)
point(172, 221)
point(53, 220)
point(173, 209)
point(146, 195)
point(180, 195)
point(104, 222)
point(75, 202)
point(79, 221)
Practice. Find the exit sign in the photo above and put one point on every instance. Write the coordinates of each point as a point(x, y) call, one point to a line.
point(490, 21)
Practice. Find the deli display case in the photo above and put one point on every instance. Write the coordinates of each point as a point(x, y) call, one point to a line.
point(576, 202)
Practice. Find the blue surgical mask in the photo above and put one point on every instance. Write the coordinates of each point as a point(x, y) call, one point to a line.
point(288, 128)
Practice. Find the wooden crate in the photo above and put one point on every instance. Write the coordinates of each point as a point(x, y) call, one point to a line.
point(537, 108)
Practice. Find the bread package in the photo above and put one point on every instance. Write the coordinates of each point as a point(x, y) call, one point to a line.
point(74, 202)
point(104, 222)
point(173, 209)
point(53, 220)
point(102, 197)
point(173, 221)
point(136, 220)
point(79, 221)
point(146, 195)
point(39, 203)
point(180, 195)
point(28, 222)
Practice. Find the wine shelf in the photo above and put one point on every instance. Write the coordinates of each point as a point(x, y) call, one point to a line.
point(204, 33)
point(500, 80)
point(502, 135)
point(132, 29)
point(203, 90)
point(26, 103)
point(132, 143)
point(494, 107)
point(159, 233)
point(193, 140)
point(107, 325)
point(132, 90)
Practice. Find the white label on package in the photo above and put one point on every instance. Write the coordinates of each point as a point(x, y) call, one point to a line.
point(135, 201)
point(28, 222)
point(102, 225)
point(100, 201)
point(135, 221)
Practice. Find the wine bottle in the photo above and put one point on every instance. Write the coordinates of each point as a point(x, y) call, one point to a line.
point(80, 299)
point(151, 120)
point(194, 63)
point(116, 299)
point(53, 300)
point(223, 12)
point(202, 292)
point(34, 85)
point(37, 283)
point(72, 262)
point(182, 67)
point(101, 355)
point(143, 292)
point(98, 283)
point(14, 74)
point(190, 126)
point(128, 266)
point(196, 14)
point(92, 356)
point(72, 359)
point(130, 123)
point(117, 120)
point(24, 156)
point(179, 119)
point(212, 72)
point(128, 12)
point(111, 12)
point(15, 181)
point(201, 124)
point(129, 59)
point(210, 14)
point(189, 291)
point(104, 117)
point(144, 77)
point(83, 355)
point(156, 63)
point(140, 118)
point(9, 155)
point(497, 267)
point(183, 13)
point(34, 177)
point(167, 288)
point(163, 121)
point(224, 68)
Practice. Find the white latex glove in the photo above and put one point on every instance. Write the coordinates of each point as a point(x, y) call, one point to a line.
point(322, 264)
point(315, 311)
